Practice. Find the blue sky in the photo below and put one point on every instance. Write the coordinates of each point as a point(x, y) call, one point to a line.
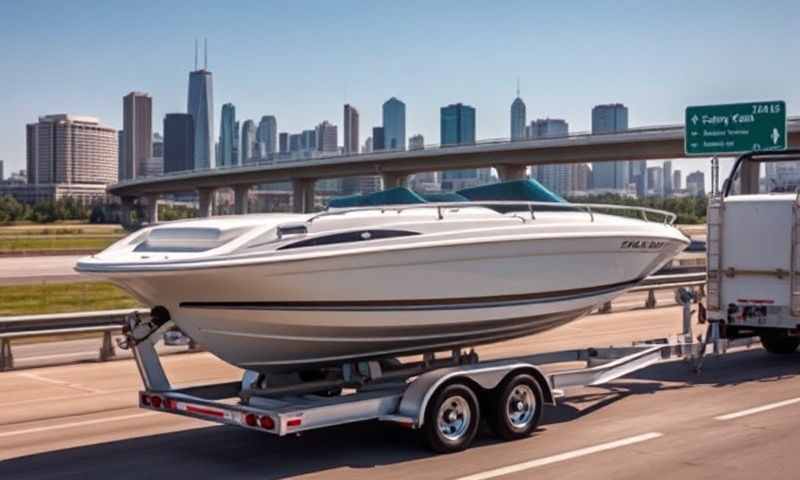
point(301, 60)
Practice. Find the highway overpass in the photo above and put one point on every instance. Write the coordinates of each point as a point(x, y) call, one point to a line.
point(509, 158)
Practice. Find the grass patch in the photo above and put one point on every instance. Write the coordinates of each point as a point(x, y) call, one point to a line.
point(62, 298)
point(51, 243)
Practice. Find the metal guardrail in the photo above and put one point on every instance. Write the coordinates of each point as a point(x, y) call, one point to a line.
point(53, 327)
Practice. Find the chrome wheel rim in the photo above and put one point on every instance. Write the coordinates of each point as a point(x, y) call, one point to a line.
point(453, 418)
point(521, 406)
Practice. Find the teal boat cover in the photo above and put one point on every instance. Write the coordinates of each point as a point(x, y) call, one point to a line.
point(393, 196)
point(444, 197)
point(517, 190)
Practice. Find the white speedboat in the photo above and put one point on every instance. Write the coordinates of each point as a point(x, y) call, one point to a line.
point(292, 292)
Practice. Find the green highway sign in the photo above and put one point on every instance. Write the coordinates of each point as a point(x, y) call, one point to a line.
point(735, 128)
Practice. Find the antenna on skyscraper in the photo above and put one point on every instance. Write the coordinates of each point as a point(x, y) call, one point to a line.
point(517, 87)
point(205, 54)
point(195, 54)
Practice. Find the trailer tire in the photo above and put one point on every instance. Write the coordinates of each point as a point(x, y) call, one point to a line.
point(779, 343)
point(517, 407)
point(452, 419)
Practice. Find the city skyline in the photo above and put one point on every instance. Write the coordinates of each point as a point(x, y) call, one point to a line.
point(553, 85)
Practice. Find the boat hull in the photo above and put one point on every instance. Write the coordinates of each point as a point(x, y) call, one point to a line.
point(302, 314)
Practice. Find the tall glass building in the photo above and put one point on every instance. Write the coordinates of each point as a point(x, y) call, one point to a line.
point(610, 118)
point(200, 105)
point(457, 124)
point(394, 124)
point(227, 134)
point(518, 119)
point(267, 133)
point(178, 142)
point(247, 151)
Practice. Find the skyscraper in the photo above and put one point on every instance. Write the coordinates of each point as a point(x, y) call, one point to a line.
point(518, 118)
point(350, 129)
point(283, 143)
point(200, 105)
point(609, 119)
point(248, 142)
point(268, 133)
point(394, 124)
point(637, 174)
point(457, 126)
point(2, 173)
point(696, 183)
point(73, 150)
point(327, 137)
point(378, 139)
point(137, 123)
point(416, 142)
point(668, 178)
point(676, 181)
point(178, 142)
point(308, 140)
point(227, 132)
point(655, 180)
point(236, 143)
point(557, 178)
point(457, 122)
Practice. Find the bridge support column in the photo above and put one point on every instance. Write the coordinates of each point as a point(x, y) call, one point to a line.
point(303, 195)
point(241, 199)
point(125, 210)
point(511, 172)
point(392, 180)
point(205, 201)
point(152, 209)
point(749, 177)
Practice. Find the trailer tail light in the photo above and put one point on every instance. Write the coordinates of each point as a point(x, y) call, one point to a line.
point(170, 404)
point(266, 422)
point(295, 422)
point(145, 400)
point(155, 401)
point(251, 420)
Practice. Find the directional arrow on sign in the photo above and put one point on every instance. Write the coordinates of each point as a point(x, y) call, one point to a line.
point(775, 136)
point(695, 119)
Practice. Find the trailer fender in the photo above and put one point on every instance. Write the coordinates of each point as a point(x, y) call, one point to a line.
point(416, 397)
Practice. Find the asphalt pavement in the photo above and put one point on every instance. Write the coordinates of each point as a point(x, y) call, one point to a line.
point(738, 418)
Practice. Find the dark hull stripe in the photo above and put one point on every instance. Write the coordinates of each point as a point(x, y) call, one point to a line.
point(421, 304)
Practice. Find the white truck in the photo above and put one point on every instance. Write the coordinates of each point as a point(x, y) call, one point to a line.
point(753, 252)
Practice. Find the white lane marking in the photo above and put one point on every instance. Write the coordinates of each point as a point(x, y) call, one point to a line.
point(762, 408)
point(74, 424)
point(539, 462)
point(62, 383)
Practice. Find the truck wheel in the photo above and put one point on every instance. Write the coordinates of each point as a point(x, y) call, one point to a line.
point(451, 419)
point(517, 408)
point(779, 343)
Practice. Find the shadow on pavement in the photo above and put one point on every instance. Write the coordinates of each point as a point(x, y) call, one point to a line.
point(223, 452)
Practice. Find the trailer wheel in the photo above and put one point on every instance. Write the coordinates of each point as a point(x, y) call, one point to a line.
point(451, 419)
point(779, 343)
point(517, 408)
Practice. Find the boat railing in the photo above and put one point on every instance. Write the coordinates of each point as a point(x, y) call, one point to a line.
point(530, 208)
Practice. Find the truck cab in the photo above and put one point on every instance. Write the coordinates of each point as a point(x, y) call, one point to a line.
point(753, 251)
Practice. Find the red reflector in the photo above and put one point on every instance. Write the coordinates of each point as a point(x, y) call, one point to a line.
point(266, 423)
point(170, 404)
point(295, 422)
point(155, 401)
point(204, 411)
point(145, 400)
point(251, 419)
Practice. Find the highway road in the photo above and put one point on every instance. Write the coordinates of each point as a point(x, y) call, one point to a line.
point(736, 419)
point(35, 269)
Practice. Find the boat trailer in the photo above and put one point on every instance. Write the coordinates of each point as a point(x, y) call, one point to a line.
point(443, 398)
